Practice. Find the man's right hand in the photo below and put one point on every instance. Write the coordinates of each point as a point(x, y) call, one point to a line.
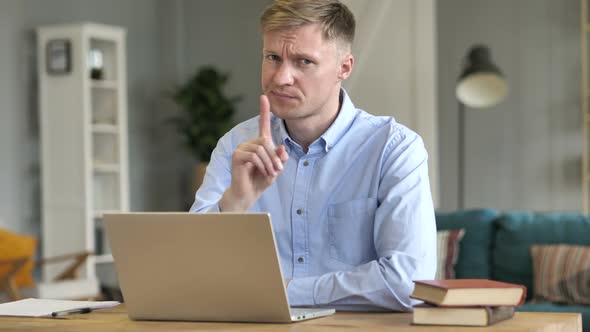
point(256, 164)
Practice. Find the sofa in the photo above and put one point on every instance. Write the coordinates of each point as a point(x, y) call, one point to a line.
point(497, 245)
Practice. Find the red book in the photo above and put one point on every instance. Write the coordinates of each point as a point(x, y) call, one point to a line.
point(460, 316)
point(469, 292)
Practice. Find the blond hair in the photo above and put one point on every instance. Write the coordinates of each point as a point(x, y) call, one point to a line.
point(334, 17)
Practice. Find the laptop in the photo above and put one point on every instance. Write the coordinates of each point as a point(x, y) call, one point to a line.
point(219, 267)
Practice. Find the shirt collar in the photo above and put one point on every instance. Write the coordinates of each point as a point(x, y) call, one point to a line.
point(343, 121)
point(283, 135)
point(334, 133)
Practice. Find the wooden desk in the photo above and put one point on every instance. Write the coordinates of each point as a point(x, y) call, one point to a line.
point(115, 319)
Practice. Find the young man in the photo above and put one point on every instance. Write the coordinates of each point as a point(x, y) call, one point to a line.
point(348, 192)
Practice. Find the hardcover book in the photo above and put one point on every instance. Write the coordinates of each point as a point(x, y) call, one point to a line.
point(461, 316)
point(469, 292)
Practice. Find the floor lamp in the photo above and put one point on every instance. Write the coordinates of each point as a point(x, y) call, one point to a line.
point(480, 85)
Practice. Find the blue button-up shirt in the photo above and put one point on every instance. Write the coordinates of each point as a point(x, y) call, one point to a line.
point(353, 217)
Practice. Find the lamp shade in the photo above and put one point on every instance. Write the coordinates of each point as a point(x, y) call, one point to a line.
point(481, 83)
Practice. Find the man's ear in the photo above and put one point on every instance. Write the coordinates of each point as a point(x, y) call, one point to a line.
point(346, 64)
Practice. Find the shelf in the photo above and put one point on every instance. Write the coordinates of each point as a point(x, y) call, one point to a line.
point(105, 149)
point(103, 53)
point(102, 84)
point(84, 119)
point(105, 129)
point(100, 259)
point(104, 106)
point(106, 168)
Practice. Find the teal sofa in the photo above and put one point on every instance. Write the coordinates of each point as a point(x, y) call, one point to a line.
point(496, 246)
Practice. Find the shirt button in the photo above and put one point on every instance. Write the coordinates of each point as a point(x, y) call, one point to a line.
point(299, 211)
point(306, 163)
point(300, 259)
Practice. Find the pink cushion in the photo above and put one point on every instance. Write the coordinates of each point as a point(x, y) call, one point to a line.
point(561, 273)
point(448, 251)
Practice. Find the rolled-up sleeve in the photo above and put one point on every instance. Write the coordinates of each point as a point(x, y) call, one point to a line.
point(217, 178)
point(404, 236)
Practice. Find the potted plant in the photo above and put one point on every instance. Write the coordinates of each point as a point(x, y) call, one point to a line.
point(206, 114)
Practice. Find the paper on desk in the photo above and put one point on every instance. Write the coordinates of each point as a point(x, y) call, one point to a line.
point(44, 308)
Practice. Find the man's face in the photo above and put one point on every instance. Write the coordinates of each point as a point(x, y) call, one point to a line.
point(301, 72)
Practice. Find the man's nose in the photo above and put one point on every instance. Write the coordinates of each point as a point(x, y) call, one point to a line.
point(284, 74)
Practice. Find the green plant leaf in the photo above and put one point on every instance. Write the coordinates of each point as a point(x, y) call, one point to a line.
point(206, 110)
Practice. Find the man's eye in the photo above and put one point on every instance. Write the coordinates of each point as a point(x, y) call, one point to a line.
point(272, 57)
point(305, 62)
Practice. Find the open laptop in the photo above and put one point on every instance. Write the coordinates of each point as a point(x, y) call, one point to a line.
point(200, 267)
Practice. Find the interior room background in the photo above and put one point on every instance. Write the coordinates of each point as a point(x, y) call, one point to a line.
point(521, 154)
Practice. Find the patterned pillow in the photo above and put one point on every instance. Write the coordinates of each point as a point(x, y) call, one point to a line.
point(448, 251)
point(561, 273)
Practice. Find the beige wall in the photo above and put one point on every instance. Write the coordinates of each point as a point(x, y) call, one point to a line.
point(19, 132)
point(395, 73)
point(166, 40)
point(524, 153)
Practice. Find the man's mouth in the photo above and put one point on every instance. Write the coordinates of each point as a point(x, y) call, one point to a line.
point(282, 95)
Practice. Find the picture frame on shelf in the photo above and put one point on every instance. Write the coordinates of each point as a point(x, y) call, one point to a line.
point(58, 56)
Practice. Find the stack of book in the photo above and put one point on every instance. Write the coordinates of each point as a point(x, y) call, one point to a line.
point(465, 302)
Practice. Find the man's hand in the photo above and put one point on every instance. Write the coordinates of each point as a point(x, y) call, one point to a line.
point(256, 164)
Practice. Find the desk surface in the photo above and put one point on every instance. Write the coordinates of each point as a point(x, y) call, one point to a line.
point(115, 319)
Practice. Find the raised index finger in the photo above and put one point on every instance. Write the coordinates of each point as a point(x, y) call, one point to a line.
point(264, 126)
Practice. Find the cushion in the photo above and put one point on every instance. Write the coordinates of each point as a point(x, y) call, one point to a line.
point(448, 251)
point(561, 273)
point(518, 231)
point(13, 245)
point(475, 249)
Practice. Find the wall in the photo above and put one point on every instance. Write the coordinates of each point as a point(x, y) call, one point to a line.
point(223, 33)
point(521, 154)
point(395, 73)
point(166, 41)
point(525, 152)
point(17, 133)
point(19, 143)
point(228, 37)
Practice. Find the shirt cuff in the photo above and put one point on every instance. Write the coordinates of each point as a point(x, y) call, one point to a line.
point(214, 208)
point(300, 291)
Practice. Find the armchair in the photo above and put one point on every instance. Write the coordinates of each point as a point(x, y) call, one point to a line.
point(66, 286)
point(16, 266)
point(8, 280)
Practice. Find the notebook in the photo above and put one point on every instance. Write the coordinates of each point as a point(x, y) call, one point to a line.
point(201, 267)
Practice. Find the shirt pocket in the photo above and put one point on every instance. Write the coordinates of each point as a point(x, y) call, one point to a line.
point(350, 228)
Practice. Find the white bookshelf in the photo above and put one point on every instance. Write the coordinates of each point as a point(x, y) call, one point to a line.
point(83, 123)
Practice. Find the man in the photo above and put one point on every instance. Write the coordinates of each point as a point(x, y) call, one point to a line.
point(348, 192)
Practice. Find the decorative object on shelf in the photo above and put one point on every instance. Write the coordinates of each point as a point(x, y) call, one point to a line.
point(480, 85)
point(95, 60)
point(206, 113)
point(58, 60)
